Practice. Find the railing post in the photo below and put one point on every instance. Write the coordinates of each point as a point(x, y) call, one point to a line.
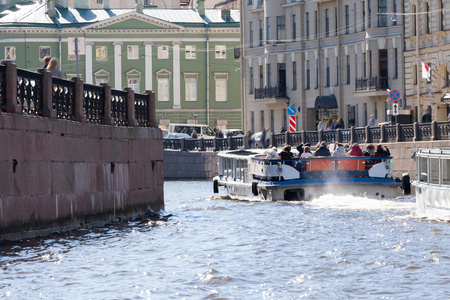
point(230, 143)
point(183, 144)
point(303, 137)
point(271, 140)
point(151, 109)
point(107, 119)
point(320, 135)
point(246, 141)
point(202, 144)
point(382, 134)
point(433, 131)
point(79, 99)
point(338, 136)
point(216, 147)
point(11, 87)
point(130, 106)
point(352, 135)
point(47, 94)
point(286, 138)
point(367, 134)
point(398, 137)
point(416, 132)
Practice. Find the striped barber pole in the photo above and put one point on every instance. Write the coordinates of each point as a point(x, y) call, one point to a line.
point(292, 123)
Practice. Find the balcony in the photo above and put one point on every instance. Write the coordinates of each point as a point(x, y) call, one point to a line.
point(270, 92)
point(372, 86)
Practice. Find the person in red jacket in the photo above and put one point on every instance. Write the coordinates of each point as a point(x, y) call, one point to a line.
point(355, 150)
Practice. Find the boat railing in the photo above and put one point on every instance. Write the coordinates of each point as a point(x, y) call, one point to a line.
point(325, 163)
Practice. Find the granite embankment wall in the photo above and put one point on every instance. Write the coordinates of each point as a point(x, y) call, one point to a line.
point(58, 174)
point(203, 165)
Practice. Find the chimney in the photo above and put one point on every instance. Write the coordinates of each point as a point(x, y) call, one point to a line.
point(51, 9)
point(226, 15)
point(139, 6)
point(201, 7)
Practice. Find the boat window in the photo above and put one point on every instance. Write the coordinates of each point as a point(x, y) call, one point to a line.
point(229, 171)
point(423, 169)
point(445, 171)
point(434, 170)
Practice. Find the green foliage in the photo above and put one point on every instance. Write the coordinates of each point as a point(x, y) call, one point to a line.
point(341, 121)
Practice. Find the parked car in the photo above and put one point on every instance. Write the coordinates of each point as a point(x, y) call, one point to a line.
point(176, 136)
point(203, 131)
point(232, 132)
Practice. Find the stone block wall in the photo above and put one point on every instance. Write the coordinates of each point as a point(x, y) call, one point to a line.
point(190, 165)
point(58, 174)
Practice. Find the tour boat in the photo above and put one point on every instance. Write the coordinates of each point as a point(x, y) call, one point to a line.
point(249, 175)
point(432, 183)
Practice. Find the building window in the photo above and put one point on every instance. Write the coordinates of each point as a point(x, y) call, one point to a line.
point(134, 79)
point(335, 21)
point(347, 77)
point(394, 17)
point(272, 119)
point(221, 52)
point(336, 83)
point(191, 52)
point(281, 29)
point(261, 77)
point(133, 52)
point(307, 75)
point(364, 15)
point(442, 21)
point(261, 32)
point(269, 75)
point(251, 80)
point(427, 18)
point(294, 75)
point(294, 28)
point(43, 52)
point(221, 86)
point(347, 19)
point(163, 52)
point(369, 25)
point(163, 89)
point(252, 117)
point(101, 76)
point(365, 66)
point(315, 25)
point(190, 80)
point(250, 26)
point(237, 52)
point(382, 10)
point(250, 2)
point(307, 25)
point(101, 53)
point(263, 125)
point(268, 37)
point(355, 18)
point(100, 1)
point(395, 63)
point(414, 74)
point(413, 20)
point(327, 72)
point(327, 22)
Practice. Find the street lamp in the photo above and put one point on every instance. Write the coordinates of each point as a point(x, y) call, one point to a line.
point(288, 100)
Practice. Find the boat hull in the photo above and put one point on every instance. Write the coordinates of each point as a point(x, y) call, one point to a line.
point(308, 189)
point(433, 201)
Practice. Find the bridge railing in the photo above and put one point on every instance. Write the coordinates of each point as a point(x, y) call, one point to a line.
point(38, 93)
point(363, 135)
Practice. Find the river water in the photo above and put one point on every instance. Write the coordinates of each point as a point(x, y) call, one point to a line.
point(330, 248)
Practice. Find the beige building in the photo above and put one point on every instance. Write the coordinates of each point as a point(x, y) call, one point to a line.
point(322, 57)
point(427, 40)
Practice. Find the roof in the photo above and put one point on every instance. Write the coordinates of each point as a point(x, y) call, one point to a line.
point(33, 13)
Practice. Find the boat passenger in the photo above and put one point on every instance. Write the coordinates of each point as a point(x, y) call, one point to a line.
point(355, 150)
point(300, 149)
point(382, 152)
point(306, 152)
point(340, 151)
point(272, 153)
point(286, 154)
point(323, 150)
point(370, 150)
point(194, 134)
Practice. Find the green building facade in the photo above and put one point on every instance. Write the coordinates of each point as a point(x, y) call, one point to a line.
point(189, 58)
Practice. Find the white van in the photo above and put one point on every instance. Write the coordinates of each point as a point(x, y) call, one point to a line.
point(203, 131)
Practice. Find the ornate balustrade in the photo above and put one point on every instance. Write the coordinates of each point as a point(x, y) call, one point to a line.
point(38, 93)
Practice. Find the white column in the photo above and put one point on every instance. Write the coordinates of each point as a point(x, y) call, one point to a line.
point(148, 66)
point(88, 49)
point(176, 75)
point(118, 65)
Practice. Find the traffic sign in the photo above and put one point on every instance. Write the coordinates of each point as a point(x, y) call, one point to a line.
point(291, 110)
point(292, 123)
point(395, 109)
point(394, 95)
